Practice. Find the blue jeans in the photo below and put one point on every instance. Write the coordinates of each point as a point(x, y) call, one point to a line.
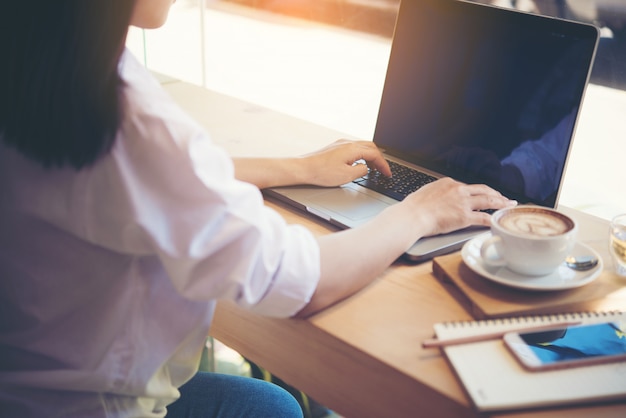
point(224, 396)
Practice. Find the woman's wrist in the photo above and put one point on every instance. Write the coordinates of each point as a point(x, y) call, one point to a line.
point(273, 172)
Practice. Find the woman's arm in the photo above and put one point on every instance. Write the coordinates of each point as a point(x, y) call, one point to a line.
point(353, 258)
point(333, 165)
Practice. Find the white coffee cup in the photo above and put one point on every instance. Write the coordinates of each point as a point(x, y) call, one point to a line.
point(529, 240)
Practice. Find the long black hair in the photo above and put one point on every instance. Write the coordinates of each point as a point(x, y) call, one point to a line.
point(61, 96)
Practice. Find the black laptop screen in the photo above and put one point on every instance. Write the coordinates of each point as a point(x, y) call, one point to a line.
point(484, 94)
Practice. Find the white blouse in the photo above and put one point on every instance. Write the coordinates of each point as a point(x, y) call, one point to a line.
point(109, 275)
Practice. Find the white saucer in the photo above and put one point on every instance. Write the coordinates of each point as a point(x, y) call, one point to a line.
point(562, 278)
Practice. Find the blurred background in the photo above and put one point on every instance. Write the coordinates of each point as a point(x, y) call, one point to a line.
point(324, 61)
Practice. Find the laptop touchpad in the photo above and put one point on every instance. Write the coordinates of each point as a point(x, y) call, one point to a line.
point(349, 203)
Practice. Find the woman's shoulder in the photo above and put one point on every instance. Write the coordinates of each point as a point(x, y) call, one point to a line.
point(151, 115)
point(142, 91)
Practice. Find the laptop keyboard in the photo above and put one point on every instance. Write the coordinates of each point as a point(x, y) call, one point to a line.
point(404, 181)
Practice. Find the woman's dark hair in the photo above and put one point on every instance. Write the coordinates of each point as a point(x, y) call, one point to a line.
point(60, 91)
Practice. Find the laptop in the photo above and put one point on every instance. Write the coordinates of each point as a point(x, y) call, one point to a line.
point(478, 93)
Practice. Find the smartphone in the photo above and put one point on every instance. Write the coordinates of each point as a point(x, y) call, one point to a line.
point(578, 345)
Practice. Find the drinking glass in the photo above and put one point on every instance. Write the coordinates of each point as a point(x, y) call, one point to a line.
point(618, 243)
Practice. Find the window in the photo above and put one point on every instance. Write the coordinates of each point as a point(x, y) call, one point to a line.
point(325, 61)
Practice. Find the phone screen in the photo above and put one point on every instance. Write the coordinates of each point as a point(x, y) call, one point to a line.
point(576, 343)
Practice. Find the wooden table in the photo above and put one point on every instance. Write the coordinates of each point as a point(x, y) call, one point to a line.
point(363, 356)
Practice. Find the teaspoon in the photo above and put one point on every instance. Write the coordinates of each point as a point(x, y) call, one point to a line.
point(581, 262)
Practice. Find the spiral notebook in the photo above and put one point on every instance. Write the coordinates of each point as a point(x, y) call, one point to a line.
point(495, 381)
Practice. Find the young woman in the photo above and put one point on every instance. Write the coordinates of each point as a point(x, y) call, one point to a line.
point(122, 223)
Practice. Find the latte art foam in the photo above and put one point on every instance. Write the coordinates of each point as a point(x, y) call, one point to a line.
point(535, 222)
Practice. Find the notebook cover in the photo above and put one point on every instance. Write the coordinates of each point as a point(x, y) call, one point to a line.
point(495, 381)
point(486, 299)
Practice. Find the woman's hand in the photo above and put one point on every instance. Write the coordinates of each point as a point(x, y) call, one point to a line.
point(336, 164)
point(343, 161)
point(447, 205)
